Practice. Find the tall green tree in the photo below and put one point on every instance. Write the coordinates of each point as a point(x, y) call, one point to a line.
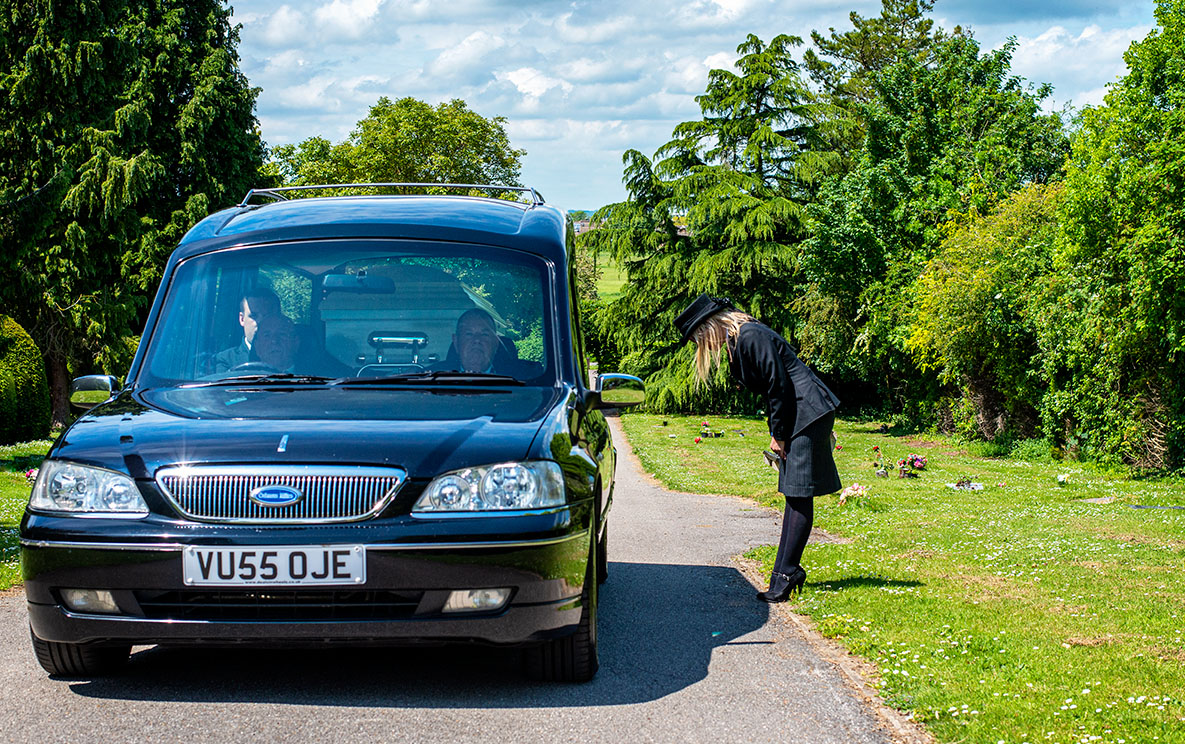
point(847, 62)
point(407, 141)
point(953, 133)
point(121, 123)
point(720, 209)
point(1115, 323)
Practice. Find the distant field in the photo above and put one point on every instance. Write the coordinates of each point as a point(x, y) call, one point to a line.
point(613, 278)
point(1022, 612)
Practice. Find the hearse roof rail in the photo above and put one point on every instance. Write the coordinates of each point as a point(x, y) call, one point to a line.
point(277, 193)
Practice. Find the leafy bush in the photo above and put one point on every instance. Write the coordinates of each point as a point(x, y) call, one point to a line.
point(24, 395)
point(973, 313)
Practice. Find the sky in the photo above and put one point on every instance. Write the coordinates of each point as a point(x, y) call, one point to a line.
point(581, 81)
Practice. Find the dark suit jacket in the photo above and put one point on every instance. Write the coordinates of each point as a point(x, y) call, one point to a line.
point(228, 359)
point(763, 362)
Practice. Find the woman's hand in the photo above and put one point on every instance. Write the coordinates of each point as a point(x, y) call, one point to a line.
point(778, 447)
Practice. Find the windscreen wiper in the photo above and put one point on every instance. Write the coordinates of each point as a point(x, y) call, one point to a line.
point(276, 378)
point(447, 378)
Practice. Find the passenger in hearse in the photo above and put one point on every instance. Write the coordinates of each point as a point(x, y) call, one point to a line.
point(255, 305)
point(477, 347)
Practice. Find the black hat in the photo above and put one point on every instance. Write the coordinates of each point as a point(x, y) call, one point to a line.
point(700, 309)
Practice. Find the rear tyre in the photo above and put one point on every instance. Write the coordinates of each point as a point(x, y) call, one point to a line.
point(571, 658)
point(76, 660)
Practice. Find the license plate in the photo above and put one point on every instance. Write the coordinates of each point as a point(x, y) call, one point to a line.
point(275, 566)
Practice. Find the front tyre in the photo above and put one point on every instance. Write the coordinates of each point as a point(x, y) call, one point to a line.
point(571, 658)
point(76, 660)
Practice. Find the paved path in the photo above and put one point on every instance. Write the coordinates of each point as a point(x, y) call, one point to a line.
point(687, 655)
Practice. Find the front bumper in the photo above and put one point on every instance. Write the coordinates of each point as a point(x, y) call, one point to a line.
point(402, 600)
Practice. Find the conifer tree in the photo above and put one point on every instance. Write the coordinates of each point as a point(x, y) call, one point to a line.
point(718, 210)
point(121, 123)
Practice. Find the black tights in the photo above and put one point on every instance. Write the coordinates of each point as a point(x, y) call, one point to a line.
point(796, 528)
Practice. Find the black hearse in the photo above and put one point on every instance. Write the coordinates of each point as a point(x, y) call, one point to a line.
point(360, 418)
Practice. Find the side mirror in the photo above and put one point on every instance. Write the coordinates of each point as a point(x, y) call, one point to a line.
point(619, 391)
point(88, 392)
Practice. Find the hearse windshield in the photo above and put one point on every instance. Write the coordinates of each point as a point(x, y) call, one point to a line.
point(354, 313)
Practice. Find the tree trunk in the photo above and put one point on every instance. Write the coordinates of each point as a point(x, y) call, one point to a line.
point(59, 388)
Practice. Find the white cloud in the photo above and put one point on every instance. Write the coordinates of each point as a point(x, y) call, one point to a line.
point(312, 94)
point(1079, 65)
point(532, 83)
point(581, 29)
point(470, 52)
point(346, 19)
point(330, 94)
point(287, 63)
point(284, 26)
point(600, 70)
point(702, 14)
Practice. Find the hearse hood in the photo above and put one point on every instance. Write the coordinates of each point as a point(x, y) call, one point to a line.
point(424, 431)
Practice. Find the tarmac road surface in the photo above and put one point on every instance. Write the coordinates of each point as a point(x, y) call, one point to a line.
point(687, 655)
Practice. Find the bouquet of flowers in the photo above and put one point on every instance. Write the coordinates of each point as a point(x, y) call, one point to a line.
point(878, 462)
point(854, 491)
point(31, 476)
point(917, 462)
point(705, 432)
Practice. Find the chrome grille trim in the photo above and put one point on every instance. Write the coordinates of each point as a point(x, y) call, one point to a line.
point(220, 493)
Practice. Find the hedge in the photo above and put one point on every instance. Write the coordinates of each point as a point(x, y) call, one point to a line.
point(24, 394)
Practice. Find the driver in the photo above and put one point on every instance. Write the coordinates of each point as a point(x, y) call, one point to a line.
point(276, 342)
point(257, 304)
point(279, 347)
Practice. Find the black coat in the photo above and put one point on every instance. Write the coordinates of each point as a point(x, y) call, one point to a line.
point(764, 363)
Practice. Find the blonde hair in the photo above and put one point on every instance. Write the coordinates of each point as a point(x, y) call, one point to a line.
point(711, 336)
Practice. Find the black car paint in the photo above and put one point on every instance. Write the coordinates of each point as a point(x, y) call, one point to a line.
point(542, 555)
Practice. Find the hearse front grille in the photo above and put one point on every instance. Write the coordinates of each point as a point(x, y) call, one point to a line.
point(229, 493)
point(277, 604)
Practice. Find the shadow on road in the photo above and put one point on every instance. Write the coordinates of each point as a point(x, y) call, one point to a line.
point(658, 625)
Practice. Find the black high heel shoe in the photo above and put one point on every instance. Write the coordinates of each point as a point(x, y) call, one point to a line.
point(782, 585)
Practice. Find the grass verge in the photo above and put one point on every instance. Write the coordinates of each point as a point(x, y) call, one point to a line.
point(15, 459)
point(1019, 613)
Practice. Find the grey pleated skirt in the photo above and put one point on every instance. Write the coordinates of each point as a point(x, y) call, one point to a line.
point(809, 468)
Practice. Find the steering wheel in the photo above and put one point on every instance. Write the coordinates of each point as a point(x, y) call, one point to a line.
point(254, 366)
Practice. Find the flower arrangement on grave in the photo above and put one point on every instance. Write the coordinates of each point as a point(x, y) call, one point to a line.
point(878, 462)
point(854, 491)
point(705, 432)
point(31, 476)
point(906, 467)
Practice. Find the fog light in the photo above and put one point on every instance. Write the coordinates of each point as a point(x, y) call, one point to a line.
point(90, 600)
point(476, 600)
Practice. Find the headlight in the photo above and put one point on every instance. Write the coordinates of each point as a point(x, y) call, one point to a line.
point(510, 485)
point(78, 489)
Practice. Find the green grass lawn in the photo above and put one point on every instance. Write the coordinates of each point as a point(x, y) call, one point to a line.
point(1019, 613)
point(14, 494)
point(613, 278)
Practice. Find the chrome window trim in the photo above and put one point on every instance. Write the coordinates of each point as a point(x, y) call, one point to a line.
point(277, 471)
